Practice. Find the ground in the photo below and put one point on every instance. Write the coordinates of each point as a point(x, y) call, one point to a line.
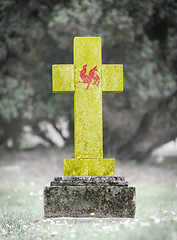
point(24, 174)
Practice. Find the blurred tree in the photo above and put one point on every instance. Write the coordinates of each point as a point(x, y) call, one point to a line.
point(141, 35)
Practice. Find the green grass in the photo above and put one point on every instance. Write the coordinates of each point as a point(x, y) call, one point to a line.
point(21, 216)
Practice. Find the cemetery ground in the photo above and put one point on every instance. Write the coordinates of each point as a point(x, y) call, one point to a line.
point(24, 174)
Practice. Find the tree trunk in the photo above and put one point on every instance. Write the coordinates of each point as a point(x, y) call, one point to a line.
point(156, 127)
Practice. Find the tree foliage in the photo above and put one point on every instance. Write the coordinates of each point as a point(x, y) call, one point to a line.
point(140, 34)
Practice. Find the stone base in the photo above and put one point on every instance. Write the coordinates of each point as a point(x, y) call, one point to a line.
point(89, 167)
point(105, 197)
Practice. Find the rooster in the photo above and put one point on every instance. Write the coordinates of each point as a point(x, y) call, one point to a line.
point(88, 78)
point(94, 76)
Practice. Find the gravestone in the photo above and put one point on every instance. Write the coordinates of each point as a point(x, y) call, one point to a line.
point(89, 187)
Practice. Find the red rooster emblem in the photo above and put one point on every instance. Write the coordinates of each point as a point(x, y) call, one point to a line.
point(88, 78)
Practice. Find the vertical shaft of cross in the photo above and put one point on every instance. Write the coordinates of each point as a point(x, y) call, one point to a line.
point(87, 103)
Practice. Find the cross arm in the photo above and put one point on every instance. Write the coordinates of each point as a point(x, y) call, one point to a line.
point(63, 78)
point(112, 78)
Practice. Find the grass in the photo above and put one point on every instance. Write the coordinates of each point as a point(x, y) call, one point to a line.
point(21, 216)
point(21, 205)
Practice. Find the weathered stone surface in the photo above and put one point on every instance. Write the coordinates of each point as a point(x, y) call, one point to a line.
point(89, 167)
point(88, 78)
point(89, 197)
point(86, 196)
point(85, 181)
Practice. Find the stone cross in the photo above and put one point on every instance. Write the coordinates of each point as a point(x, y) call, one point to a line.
point(87, 78)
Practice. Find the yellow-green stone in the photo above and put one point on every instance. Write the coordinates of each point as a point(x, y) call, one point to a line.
point(88, 128)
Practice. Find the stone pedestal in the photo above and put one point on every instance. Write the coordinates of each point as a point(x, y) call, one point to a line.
point(103, 197)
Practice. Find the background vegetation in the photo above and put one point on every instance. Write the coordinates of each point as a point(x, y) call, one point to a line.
point(139, 34)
